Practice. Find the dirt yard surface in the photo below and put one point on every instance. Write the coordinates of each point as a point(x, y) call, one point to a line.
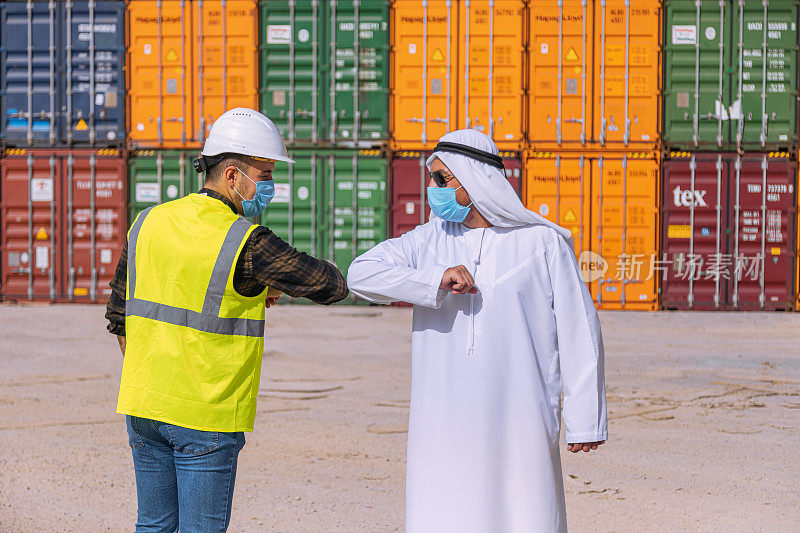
point(704, 422)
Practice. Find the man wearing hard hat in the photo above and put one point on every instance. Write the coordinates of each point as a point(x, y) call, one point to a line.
point(188, 303)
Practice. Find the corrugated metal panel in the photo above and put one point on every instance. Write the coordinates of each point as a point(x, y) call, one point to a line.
point(594, 75)
point(189, 61)
point(610, 203)
point(720, 93)
point(424, 81)
point(225, 59)
point(63, 223)
point(311, 82)
point(409, 180)
point(491, 61)
point(728, 231)
point(158, 176)
point(62, 81)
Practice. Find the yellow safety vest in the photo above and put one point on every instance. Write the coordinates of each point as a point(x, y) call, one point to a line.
point(194, 345)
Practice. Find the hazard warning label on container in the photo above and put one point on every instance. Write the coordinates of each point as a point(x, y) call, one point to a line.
point(81, 125)
point(42, 235)
point(570, 216)
point(172, 55)
point(42, 190)
point(572, 55)
point(437, 55)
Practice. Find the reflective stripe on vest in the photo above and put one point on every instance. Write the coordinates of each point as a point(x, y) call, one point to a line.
point(208, 319)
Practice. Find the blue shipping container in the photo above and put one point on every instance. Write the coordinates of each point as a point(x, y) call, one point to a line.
point(62, 81)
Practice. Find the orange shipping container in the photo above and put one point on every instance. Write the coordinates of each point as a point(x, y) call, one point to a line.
point(610, 202)
point(595, 74)
point(491, 57)
point(188, 61)
point(424, 50)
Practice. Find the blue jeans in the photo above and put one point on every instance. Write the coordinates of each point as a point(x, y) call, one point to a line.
point(184, 477)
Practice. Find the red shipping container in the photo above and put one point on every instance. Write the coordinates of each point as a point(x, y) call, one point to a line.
point(409, 180)
point(728, 232)
point(63, 223)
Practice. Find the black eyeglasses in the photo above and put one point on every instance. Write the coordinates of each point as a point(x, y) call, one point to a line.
point(440, 177)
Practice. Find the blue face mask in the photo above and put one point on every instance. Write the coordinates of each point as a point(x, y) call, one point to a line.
point(444, 205)
point(265, 192)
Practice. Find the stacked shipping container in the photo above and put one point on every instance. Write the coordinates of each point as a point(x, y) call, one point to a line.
point(571, 92)
point(731, 86)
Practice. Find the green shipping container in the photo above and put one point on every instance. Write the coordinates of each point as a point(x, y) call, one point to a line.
point(158, 176)
point(331, 204)
point(730, 75)
point(324, 76)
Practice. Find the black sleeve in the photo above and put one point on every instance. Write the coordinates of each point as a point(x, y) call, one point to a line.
point(115, 307)
point(277, 264)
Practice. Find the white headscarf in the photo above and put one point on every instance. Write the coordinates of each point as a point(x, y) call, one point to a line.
point(487, 186)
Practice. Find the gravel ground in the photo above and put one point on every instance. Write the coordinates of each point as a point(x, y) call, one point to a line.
point(704, 414)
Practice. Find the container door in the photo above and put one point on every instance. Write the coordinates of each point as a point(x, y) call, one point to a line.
point(156, 177)
point(291, 89)
point(225, 60)
point(409, 181)
point(491, 56)
point(30, 67)
point(762, 241)
point(627, 73)
point(764, 108)
point(560, 71)
point(295, 213)
point(557, 186)
point(356, 214)
point(159, 74)
point(696, 82)
point(624, 231)
point(94, 222)
point(94, 79)
point(424, 44)
point(31, 208)
point(357, 89)
point(695, 260)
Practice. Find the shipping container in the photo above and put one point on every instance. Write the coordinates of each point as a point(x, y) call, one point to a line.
point(409, 182)
point(595, 75)
point(62, 217)
point(491, 61)
point(158, 176)
point(323, 82)
point(61, 73)
point(610, 203)
point(731, 76)
point(729, 231)
point(189, 61)
point(331, 204)
point(424, 72)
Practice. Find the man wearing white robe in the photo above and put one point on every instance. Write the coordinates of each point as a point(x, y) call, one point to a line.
point(502, 323)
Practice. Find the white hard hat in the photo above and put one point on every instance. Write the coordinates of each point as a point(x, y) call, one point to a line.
point(247, 132)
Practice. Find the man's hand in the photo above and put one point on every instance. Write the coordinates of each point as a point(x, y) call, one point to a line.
point(585, 446)
point(458, 280)
point(122, 342)
point(273, 295)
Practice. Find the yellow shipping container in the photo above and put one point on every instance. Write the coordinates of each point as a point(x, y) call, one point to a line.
point(188, 62)
point(595, 74)
point(610, 203)
point(491, 55)
point(422, 100)
point(457, 65)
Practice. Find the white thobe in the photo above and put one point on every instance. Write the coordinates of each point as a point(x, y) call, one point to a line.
point(488, 370)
